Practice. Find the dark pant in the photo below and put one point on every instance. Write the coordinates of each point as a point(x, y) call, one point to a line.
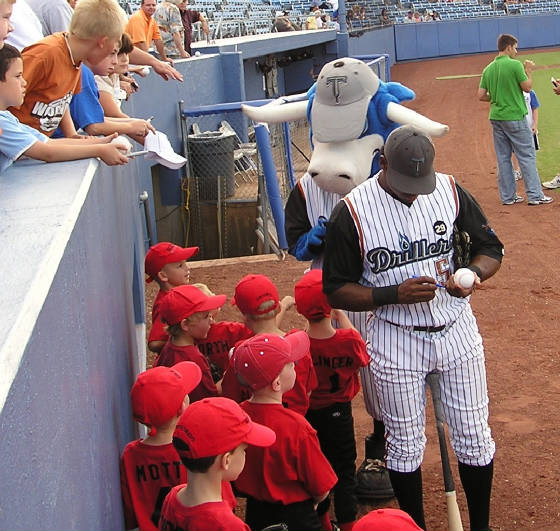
point(300, 516)
point(335, 430)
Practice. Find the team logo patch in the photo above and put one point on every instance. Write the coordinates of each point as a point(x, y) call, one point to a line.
point(440, 228)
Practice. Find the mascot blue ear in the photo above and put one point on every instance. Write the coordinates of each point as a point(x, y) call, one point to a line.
point(310, 98)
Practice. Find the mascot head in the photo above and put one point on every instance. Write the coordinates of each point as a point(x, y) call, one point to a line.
point(351, 112)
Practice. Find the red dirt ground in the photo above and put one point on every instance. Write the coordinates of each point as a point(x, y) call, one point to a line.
point(516, 312)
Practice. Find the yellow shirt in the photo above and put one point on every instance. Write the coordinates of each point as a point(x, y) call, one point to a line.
point(142, 29)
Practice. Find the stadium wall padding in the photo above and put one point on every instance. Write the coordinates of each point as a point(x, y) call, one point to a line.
point(473, 35)
point(75, 321)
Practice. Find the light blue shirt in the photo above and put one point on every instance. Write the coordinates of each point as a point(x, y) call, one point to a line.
point(16, 138)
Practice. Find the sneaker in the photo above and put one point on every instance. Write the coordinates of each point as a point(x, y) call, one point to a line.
point(554, 183)
point(544, 200)
point(517, 175)
point(516, 199)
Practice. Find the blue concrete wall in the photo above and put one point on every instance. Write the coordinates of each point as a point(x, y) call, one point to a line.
point(74, 233)
point(377, 41)
point(473, 35)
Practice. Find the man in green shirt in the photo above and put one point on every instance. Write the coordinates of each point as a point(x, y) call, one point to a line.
point(503, 82)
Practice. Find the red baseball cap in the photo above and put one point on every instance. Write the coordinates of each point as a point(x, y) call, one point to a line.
point(213, 426)
point(165, 253)
point(385, 519)
point(158, 393)
point(251, 291)
point(261, 358)
point(311, 302)
point(182, 301)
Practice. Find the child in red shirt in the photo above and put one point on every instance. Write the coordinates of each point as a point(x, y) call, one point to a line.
point(337, 355)
point(222, 336)
point(166, 264)
point(211, 438)
point(257, 299)
point(186, 310)
point(150, 467)
point(285, 482)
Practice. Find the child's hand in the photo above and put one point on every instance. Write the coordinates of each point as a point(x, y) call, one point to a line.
point(111, 154)
point(287, 302)
point(336, 314)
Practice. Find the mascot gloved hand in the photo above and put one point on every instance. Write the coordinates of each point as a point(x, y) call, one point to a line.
point(311, 244)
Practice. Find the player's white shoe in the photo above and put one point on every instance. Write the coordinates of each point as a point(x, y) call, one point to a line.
point(554, 183)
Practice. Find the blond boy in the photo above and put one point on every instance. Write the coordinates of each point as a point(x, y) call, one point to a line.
point(186, 310)
point(257, 299)
point(52, 66)
point(19, 139)
point(166, 264)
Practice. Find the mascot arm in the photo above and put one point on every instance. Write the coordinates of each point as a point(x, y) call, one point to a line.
point(312, 243)
point(304, 241)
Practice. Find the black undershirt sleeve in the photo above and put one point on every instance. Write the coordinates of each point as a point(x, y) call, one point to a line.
point(343, 262)
point(296, 221)
point(471, 219)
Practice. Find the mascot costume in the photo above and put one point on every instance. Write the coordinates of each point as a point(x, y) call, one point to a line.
point(351, 112)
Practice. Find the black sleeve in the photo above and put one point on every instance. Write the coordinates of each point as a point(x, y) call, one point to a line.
point(296, 221)
point(471, 219)
point(343, 261)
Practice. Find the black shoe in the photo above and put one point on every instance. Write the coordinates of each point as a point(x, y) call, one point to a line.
point(372, 481)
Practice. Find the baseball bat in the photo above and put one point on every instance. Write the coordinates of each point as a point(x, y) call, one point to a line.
point(453, 515)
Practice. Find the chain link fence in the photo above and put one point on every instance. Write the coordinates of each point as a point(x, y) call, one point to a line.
point(227, 210)
point(226, 201)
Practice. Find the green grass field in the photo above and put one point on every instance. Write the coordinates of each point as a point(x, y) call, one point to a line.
point(548, 156)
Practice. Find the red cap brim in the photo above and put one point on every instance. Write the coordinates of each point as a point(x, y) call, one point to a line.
point(299, 343)
point(190, 372)
point(184, 253)
point(260, 435)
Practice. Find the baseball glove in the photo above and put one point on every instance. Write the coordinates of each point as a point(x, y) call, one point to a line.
point(461, 248)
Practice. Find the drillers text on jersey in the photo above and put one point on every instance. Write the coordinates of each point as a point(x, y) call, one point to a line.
point(382, 259)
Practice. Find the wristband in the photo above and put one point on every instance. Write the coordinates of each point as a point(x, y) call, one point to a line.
point(385, 295)
point(475, 270)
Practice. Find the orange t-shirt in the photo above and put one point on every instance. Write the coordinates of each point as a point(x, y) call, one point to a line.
point(142, 29)
point(52, 80)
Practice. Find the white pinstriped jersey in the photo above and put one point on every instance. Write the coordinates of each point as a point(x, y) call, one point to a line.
point(318, 203)
point(400, 241)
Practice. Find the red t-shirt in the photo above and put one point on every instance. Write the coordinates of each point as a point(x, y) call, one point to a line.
point(221, 337)
point(336, 361)
point(211, 516)
point(294, 468)
point(157, 332)
point(171, 354)
point(147, 474)
point(296, 399)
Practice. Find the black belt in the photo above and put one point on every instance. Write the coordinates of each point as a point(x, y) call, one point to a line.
point(429, 329)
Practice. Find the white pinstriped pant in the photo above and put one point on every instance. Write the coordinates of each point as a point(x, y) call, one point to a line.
point(401, 359)
point(360, 321)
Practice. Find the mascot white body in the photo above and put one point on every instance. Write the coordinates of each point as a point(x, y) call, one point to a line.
point(352, 113)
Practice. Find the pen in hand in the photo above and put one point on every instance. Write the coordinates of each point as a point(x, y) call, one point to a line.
point(438, 284)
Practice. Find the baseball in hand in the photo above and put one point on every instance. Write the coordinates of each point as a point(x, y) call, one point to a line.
point(464, 277)
point(123, 141)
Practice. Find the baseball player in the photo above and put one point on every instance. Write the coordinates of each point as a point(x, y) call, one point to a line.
point(389, 250)
point(337, 356)
point(285, 482)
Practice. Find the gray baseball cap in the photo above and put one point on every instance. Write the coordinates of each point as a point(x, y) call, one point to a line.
point(410, 161)
point(339, 110)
